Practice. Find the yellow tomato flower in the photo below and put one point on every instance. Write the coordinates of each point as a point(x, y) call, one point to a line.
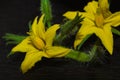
point(39, 44)
point(98, 19)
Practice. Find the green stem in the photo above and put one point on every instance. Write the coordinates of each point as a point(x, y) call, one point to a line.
point(46, 9)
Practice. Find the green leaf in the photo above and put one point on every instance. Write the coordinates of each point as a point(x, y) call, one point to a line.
point(13, 38)
point(11, 53)
point(115, 31)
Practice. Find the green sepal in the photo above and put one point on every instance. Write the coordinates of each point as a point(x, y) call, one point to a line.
point(70, 25)
point(68, 28)
point(82, 42)
point(82, 56)
point(109, 1)
point(79, 56)
point(11, 53)
point(13, 38)
point(115, 31)
point(30, 25)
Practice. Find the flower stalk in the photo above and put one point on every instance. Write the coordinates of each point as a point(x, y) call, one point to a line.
point(46, 9)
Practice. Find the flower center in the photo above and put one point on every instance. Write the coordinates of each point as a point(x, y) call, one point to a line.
point(99, 19)
point(38, 43)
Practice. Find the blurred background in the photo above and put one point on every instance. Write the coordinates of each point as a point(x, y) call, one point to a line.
point(14, 18)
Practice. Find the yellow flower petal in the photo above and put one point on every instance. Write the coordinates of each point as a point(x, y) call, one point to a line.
point(86, 28)
point(41, 28)
point(114, 19)
point(57, 51)
point(71, 15)
point(41, 24)
point(38, 28)
point(24, 46)
point(34, 24)
point(30, 59)
point(91, 7)
point(104, 6)
point(50, 34)
point(106, 37)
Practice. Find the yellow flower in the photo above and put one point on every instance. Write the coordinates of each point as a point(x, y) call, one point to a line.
point(39, 44)
point(98, 19)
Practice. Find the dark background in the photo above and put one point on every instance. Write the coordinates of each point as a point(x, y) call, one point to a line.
point(14, 18)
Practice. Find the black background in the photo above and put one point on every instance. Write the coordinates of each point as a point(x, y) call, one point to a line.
point(14, 18)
